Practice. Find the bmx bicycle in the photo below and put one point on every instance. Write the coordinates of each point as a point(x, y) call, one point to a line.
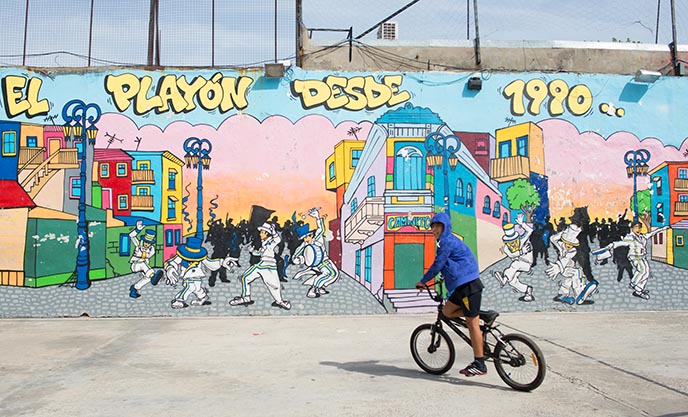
point(518, 360)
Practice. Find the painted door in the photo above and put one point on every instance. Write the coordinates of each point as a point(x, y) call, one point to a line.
point(408, 264)
point(107, 198)
point(53, 145)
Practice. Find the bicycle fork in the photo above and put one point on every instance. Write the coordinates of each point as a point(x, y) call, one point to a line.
point(435, 338)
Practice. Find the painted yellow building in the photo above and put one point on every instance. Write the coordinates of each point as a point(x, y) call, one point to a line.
point(520, 149)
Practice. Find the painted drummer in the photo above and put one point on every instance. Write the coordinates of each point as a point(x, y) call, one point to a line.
point(320, 270)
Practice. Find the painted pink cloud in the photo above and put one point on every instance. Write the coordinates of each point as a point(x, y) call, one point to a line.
point(587, 169)
point(277, 164)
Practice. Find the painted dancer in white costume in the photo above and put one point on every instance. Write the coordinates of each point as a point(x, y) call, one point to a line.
point(191, 264)
point(519, 250)
point(312, 253)
point(637, 254)
point(144, 251)
point(265, 269)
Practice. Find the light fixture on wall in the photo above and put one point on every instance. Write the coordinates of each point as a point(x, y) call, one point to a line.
point(475, 83)
point(646, 76)
point(274, 70)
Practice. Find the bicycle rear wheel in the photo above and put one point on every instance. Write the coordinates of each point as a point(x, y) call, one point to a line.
point(519, 362)
point(432, 349)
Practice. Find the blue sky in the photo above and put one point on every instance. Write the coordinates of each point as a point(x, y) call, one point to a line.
point(244, 30)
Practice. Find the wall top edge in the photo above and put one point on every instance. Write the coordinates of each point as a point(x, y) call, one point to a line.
point(464, 43)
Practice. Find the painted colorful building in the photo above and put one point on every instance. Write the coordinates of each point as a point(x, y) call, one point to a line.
point(156, 193)
point(112, 173)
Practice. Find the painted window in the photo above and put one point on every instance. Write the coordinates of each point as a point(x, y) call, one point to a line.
point(683, 198)
point(79, 149)
point(143, 165)
point(354, 205)
point(9, 143)
point(660, 213)
point(171, 209)
point(658, 185)
point(178, 236)
point(409, 169)
point(172, 179)
point(123, 201)
point(124, 244)
point(505, 149)
point(683, 173)
point(481, 147)
point(522, 145)
point(487, 205)
point(331, 170)
point(355, 157)
point(469, 195)
point(458, 194)
point(32, 141)
point(121, 170)
point(143, 191)
point(505, 219)
point(358, 262)
point(371, 186)
point(497, 209)
point(169, 238)
point(679, 240)
point(104, 170)
point(368, 263)
point(74, 187)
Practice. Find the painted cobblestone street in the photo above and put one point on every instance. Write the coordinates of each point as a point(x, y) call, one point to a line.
point(109, 298)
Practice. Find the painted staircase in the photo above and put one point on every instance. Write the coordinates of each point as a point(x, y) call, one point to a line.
point(411, 301)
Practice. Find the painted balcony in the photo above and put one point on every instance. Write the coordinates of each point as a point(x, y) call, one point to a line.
point(141, 176)
point(366, 220)
point(510, 169)
point(142, 202)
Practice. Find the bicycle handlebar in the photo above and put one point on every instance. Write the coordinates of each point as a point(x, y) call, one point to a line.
point(437, 297)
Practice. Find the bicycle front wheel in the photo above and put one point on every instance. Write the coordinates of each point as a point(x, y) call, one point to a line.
point(519, 362)
point(432, 349)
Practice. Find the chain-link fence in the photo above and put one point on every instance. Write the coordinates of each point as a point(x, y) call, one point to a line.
point(246, 33)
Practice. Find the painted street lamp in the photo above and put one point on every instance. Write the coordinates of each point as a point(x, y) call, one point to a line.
point(442, 153)
point(636, 164)
point(76, 115)
point(198, 156)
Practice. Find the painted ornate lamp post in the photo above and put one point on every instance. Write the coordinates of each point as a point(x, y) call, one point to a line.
point(441, 153)
point(636, 164)
point(198, 156)
point(76, 115)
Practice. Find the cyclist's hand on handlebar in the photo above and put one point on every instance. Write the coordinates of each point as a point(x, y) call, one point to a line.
point(420, 286)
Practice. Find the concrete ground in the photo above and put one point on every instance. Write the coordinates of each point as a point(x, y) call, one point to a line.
point(598, 364)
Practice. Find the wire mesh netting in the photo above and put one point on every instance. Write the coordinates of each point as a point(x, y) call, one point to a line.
point(245, 33)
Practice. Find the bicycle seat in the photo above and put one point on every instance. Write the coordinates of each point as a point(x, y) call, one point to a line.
point(488, 316)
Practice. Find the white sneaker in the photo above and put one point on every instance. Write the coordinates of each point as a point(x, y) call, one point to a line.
point(528, 296)
point(500, 278)
point(177, 304)
point(322, 291)
point(240, 301)
point(590, 289)
point(312, 293)
point(286, 305)
point(205, 301)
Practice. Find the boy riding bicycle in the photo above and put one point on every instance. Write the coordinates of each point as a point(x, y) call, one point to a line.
point(459, 268)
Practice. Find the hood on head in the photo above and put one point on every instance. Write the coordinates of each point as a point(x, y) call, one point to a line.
point(443, 218)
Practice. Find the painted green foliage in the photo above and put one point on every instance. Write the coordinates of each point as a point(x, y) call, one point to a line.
point(522, 195)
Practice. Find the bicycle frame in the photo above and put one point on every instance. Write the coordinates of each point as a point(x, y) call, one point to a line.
point(487, 329)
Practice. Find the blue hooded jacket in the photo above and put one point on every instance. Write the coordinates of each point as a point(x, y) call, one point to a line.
point(453, 259)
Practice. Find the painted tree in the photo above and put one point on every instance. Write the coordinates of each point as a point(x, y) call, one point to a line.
point(523, 195)
point(644, 207)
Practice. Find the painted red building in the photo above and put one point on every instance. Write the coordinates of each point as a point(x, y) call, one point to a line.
point(480, 145)
point(112, 174)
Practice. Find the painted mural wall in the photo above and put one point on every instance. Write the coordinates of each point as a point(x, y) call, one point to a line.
point(135, 193)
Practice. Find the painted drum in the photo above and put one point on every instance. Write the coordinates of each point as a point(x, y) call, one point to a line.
point(313, 255)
